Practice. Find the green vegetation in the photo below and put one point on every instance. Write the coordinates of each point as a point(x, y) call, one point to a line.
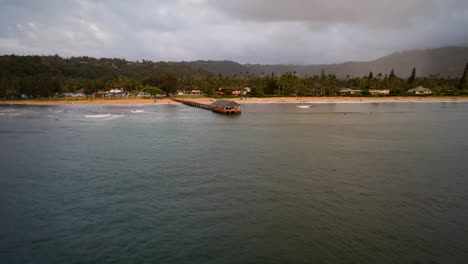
point(153, 91)
point(167, 82)
point(45, 76)
point(412, 77)
point(463, 84)
point(53, 76)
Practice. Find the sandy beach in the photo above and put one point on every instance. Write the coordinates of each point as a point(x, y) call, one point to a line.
point(250, 100)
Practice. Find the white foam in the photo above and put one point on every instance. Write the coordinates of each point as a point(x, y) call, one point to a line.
point(98, 116)
point(303, 106)
point(10, 112)
point(137, 111)
point(107, 116)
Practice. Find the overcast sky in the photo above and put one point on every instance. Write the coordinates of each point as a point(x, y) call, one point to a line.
point(246, 31)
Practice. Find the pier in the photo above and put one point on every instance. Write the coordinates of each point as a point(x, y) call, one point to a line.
point(219, 106)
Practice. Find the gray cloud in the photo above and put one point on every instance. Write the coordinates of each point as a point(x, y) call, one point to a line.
point(260, 31)
point(367, 12)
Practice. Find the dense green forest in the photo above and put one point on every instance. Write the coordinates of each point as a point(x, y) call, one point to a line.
point(44, 76)
point(47, 76)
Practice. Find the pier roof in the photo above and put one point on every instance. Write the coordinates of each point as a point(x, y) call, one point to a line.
point(225, 103)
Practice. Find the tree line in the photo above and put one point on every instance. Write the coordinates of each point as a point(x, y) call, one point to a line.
point(290, 84)
point(47, 76)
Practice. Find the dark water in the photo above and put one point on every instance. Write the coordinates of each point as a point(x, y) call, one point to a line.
point(334, 183)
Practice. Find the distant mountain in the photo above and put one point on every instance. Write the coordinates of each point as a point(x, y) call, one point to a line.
point(446, 61)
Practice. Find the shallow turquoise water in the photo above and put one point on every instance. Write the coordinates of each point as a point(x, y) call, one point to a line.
point(333, 183)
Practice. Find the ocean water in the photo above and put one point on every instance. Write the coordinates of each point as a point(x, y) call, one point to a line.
point(331, 183)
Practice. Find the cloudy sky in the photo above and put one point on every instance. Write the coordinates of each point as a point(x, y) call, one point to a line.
point(247, 31)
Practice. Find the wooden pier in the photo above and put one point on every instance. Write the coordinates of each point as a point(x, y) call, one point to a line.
point(219, 106)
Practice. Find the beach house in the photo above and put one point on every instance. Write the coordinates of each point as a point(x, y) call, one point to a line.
point(348, 91)
point(115, 92)
point(228, 91)
point(379, 91)
point(420, 91)
point(99, 94)
point(189, 90)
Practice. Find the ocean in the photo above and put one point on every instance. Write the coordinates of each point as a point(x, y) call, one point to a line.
point(327, 183)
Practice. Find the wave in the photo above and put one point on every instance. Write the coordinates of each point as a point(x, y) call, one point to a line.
point(115, 116)
point(108, 116)
point(98, 116)
point(137, 111)
point(303, 106)
point(56, 111)
point(10, 113)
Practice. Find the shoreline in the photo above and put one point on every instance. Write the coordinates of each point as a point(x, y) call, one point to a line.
point(251, 100)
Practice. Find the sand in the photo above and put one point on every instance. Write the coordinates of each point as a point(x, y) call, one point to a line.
point(250, 100)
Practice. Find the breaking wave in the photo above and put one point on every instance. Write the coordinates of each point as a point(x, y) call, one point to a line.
point(98, 116)
point(107, 116)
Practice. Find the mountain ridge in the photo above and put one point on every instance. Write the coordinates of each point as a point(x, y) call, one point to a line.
point(444, 61)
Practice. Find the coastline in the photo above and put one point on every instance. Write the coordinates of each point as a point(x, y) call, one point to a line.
point(208, 100)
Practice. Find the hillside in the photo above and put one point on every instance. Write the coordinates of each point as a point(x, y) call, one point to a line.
point(447, 61)
point(89, 68)
point(220, 67)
